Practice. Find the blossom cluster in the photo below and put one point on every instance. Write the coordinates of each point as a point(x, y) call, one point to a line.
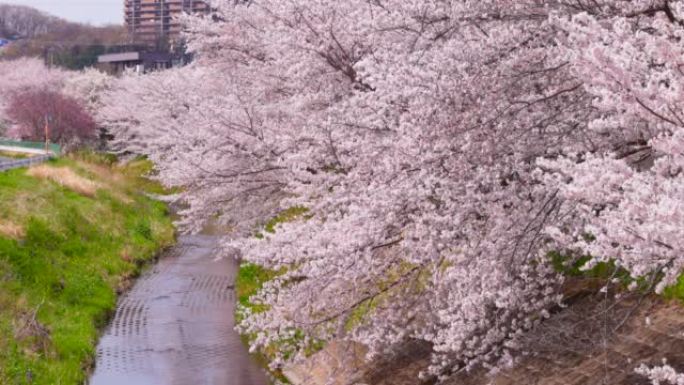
point(661, 375)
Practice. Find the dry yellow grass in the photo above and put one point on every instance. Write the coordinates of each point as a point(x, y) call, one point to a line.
point(11, 230)
point(105, 173)
point(65, 177)
point(114, 180)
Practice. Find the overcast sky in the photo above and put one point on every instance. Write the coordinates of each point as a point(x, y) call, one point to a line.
point(97, 12)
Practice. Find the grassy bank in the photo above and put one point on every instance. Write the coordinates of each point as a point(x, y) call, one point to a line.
point(72, 233)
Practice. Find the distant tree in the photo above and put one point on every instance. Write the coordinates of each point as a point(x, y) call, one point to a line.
point(87, 87)
point(69, 121)
point(75, 57)
point(22, 74)
point(62, 43)
point(17, 20)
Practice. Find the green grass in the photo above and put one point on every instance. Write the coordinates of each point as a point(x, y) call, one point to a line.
point(249, 281)
point(140, 169)
point(676, 291)
point(58, 281)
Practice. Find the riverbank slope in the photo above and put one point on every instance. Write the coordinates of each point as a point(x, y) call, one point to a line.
point(72, 234)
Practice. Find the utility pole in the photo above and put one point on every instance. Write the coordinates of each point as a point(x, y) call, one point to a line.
point(47, 134)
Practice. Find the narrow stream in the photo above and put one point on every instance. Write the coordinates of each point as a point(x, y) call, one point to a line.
point(175, 327)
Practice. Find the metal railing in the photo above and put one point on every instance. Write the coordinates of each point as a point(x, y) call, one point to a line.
point(26, 162)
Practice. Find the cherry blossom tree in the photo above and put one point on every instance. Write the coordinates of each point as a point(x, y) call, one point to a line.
point(29, 90)
point(68, 121)
point(628, 195)
point(193, 125)
point(25, 74)
point(442, 148)
point(88, 87)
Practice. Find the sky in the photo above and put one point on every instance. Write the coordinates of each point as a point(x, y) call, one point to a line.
point(96, 12)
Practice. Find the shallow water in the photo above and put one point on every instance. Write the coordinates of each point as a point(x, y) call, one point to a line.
point(175, 326)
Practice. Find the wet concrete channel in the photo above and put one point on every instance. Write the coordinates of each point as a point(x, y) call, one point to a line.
point(175, 326)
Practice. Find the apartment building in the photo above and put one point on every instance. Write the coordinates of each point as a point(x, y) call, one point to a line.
point(151, 22)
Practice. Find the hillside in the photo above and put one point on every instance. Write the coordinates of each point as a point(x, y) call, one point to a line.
point(27, 22)
point(70, 45)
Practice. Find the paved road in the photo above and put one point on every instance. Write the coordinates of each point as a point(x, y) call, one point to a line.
point(175, 327)
point(4, 160)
